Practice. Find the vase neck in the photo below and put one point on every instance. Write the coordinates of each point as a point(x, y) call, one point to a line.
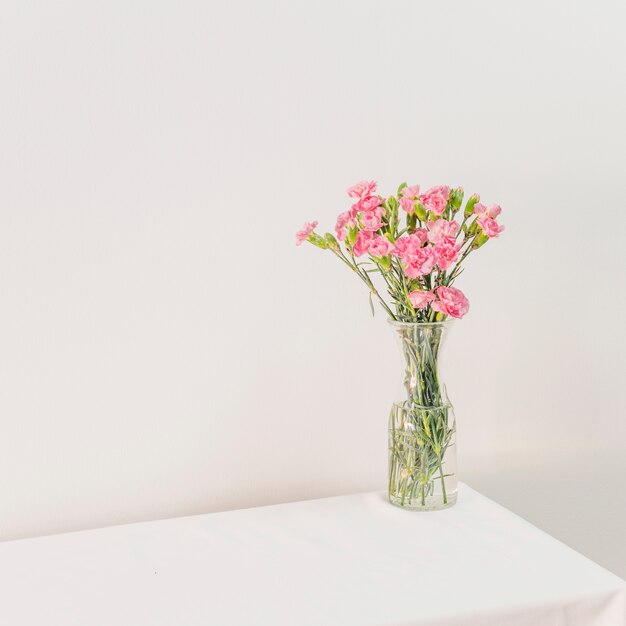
point(420, 347)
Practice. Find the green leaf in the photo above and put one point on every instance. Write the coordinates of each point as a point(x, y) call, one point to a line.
point(401, 187)
point(372, 305)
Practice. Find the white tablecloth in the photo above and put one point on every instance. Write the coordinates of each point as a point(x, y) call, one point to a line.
point(333, 562)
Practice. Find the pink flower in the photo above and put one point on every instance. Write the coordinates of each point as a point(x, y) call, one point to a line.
point(380, 246)
point(363, 242)
point(367, 204)
point(411, 192)
point(490, 227)
point(436, 198)
point(371, 221)
point(343, 220)
point(407, 243)
point(418, 262)
point(363, 189)
point(354, 209)
point(446, 252)
point(305, 231)
point(408, 204)
point(420, 299)
point(402, 243)
point(407, 201)
point(419, 237)
point(440, 229)
point(451, 302)
point(493, 211)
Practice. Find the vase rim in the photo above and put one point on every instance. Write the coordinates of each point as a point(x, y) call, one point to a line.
point(400, 324)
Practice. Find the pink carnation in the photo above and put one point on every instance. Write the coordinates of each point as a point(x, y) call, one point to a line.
point(420, 299)
point(411, 191)
point(419, 236)
point(304, 232)
point(436, 198)
point(408, 204)
point(451, 302)
point(490, 227)
point(363, 189)
point(367, 204)
point(343, 220)
point(371, 221)
point(363, 242)
point(441, 229)
point(493, 211)
point(401, 245)
point(446, 252)
point(380, 246)
point(418, 262)
point(410, 242)
point(407, 200)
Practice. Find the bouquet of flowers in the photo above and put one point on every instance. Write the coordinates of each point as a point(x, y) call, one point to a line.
point(416, 243)
point(418, 257)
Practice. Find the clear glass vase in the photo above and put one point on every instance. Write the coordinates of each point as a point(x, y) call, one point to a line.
point(422, 427)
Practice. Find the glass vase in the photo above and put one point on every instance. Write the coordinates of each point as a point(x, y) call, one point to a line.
point(422, 426)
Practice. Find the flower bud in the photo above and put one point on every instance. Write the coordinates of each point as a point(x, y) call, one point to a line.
point(469, 207)
point(456, 197)
point(352, 234)
point(420, 211)
point(392, 213)
point(318, 241)
point(481, 240)
point(472, 229)
point(331, 241)
point(385, 263)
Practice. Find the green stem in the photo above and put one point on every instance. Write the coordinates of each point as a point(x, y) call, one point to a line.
point(443, 483)
point(365, 278)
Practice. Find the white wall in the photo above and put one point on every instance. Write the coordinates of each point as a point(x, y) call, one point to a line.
point(165, 349)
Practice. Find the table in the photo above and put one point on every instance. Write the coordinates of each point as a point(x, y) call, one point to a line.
point(343, 561)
